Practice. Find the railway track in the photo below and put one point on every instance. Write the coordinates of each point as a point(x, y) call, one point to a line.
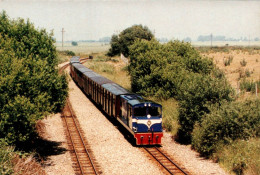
point(83, 161)
point(165, 161)
point(81, 154)
point(63, 68)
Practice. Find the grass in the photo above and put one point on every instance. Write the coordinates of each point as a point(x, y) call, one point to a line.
point(64, 56)
point(84, 48)
point(170, 114)
point(6, 155)
point(11, 162)
point(241, 157)
point(113, 69)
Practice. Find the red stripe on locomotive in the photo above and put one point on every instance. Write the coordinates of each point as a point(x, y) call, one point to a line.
point(148, 138)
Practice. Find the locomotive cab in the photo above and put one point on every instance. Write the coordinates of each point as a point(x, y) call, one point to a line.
point(147, 117)
point(143, 118)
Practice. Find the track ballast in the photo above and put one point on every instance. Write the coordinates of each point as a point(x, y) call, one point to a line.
point(165, 161)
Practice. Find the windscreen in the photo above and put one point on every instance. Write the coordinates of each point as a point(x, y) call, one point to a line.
point(154, 111)
point(140, 111)
point(143, 111)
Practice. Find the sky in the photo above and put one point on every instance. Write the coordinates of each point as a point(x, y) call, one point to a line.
point(171, 19)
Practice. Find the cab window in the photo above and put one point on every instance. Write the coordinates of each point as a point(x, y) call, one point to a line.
point(140, 111)
point(154, 111)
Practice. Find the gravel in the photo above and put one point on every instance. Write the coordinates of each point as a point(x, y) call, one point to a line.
point(60, 161)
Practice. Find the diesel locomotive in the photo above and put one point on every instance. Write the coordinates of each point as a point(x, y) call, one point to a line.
point(142, 118)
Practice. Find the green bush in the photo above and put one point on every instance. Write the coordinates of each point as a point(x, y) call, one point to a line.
point(196, 93)
point(226, 123)
point(30, 86)
point(67, 53)
point(158, 69)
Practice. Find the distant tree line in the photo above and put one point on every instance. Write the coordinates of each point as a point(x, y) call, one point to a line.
point(223, 38)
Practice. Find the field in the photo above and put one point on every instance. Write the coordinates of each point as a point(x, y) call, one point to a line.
point(236, 67)
point(84, 48)
point(225, 43)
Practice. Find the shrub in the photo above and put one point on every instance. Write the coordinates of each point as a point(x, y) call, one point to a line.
point(158, 69)
point(67, 53)
point(30, 86)
point(243, 62)
point(248, 73)
point(195, 94)
point(226, 123)
point(249, 86)
point(228, 61)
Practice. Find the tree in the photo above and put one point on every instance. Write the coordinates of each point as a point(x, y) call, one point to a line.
point(30, 86)
point(121, 43)
point(115, 47)
point(74, 43)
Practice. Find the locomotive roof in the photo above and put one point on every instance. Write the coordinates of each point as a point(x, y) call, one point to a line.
point(74, 59)
point(136, 100)
point(115, 89)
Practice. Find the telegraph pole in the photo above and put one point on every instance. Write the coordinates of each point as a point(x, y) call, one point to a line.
point(62, 31)
point(211, 36)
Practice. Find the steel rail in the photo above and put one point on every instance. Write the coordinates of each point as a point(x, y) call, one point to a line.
point(81, 137)
point(77, 131)
point(171, 161)
point(164, 156)
point(73, 145)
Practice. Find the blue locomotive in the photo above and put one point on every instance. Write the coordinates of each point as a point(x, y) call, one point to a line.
point(142, 118)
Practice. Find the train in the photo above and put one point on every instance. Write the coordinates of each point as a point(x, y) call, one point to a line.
point(142, 118)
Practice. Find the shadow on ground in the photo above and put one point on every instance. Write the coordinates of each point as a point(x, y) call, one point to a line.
point(43, 149)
